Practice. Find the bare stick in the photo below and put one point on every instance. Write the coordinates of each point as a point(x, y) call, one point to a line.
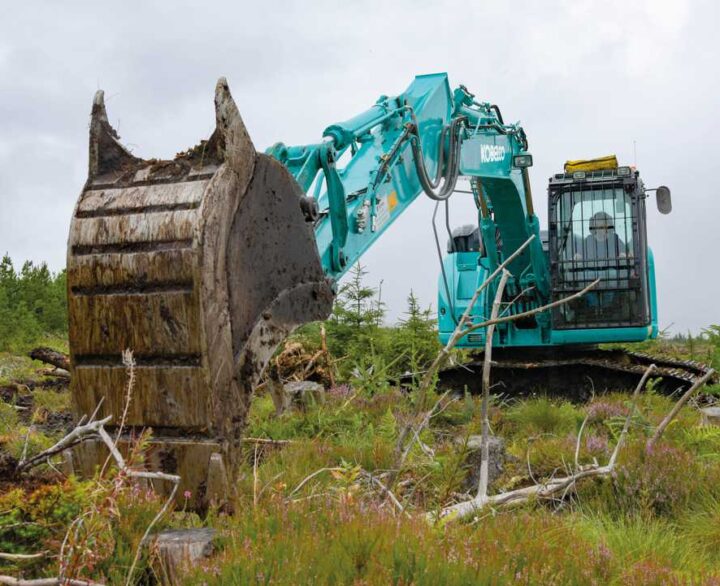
point(403, 452)
point(80, 433)
point(673, 413)
point(311, 363)
point(374, 480)
point(577, 444)
point(485, 443)
point(10, 581)
point(546, 489)
point(310, 477)
point(621, 440)
point(146, 535)
point(266, 441)
point(255, 476)
point(22, 557)
point(516, 316)
point(459, 329)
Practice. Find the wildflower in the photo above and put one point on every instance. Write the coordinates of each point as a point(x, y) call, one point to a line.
point(187, 494)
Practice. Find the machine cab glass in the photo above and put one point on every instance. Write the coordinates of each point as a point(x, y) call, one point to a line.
point(597, 231)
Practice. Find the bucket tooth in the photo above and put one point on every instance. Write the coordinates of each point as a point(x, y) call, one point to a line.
point(107, 154)
point(238, 146)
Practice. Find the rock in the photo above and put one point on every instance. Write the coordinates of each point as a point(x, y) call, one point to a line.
point(710, 415)
point(302, 393)
point(496, 462)
point(179, 550)
point(305, 393)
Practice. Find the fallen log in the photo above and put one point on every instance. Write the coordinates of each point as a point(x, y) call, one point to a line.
point(50, 356)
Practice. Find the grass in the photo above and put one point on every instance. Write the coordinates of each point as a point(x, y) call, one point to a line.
point(654, 522)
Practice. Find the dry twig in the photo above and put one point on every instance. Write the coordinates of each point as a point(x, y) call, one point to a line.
point(10, 581)
point(485, 442)
point(77, 435)
point(553, 486)
point(22, 557)
point(676, 409)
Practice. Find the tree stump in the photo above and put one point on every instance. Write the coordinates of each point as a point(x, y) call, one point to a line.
point(178, 550)
point(496, 463)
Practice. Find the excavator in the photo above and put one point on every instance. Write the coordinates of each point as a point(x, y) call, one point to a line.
point(203, 264)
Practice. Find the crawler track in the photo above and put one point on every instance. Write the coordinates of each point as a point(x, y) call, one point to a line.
point(575, 374)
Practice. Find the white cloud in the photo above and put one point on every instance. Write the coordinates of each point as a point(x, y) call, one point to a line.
point(586, 77)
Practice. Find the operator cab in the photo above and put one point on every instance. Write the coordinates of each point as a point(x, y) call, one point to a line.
point(598, 231)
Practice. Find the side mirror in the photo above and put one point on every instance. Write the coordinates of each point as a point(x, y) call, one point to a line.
point(662, 197)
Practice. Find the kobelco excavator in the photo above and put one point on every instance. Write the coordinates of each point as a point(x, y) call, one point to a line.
point(201, 265)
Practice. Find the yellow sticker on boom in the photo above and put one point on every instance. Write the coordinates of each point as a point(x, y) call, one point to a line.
point(392, 200)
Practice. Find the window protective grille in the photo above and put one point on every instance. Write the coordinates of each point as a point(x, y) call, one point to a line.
point(595, 232)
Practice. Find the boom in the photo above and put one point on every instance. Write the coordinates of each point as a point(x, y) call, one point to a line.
point(421, 141)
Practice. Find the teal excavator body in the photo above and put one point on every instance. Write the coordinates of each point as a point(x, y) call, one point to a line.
point(370, 168)
point(203, 264)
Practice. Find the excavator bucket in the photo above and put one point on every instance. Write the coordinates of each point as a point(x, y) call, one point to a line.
point(200, 266)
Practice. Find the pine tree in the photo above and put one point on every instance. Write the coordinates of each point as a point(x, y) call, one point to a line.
point(416, 337)
point(356, 306)
point(353, 327)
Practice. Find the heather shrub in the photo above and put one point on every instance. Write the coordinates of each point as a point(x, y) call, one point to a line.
point(661, 481)
point(347, 542)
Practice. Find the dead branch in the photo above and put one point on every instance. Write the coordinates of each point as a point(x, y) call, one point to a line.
point(10, 581)
point(577, 444)
point(80, 433)
point(545, 489)
point(485, 442)
point(21, 557)
point(531, 312)
point(444, 353)
point(461, 331)
point(633, 409)
point(266, 441)
point(676, 408)
point(374, 480)
point(402, 448)
point(310, 477)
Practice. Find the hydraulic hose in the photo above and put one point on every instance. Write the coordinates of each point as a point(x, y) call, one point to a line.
point(496, 109)
point(452, 169)
point(442, 266)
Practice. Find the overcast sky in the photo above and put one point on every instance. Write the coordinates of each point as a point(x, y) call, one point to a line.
point(586, 78)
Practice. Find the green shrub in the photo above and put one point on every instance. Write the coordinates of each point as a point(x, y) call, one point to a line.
point(543, 416)
point(32, 303)
point(31, 521)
